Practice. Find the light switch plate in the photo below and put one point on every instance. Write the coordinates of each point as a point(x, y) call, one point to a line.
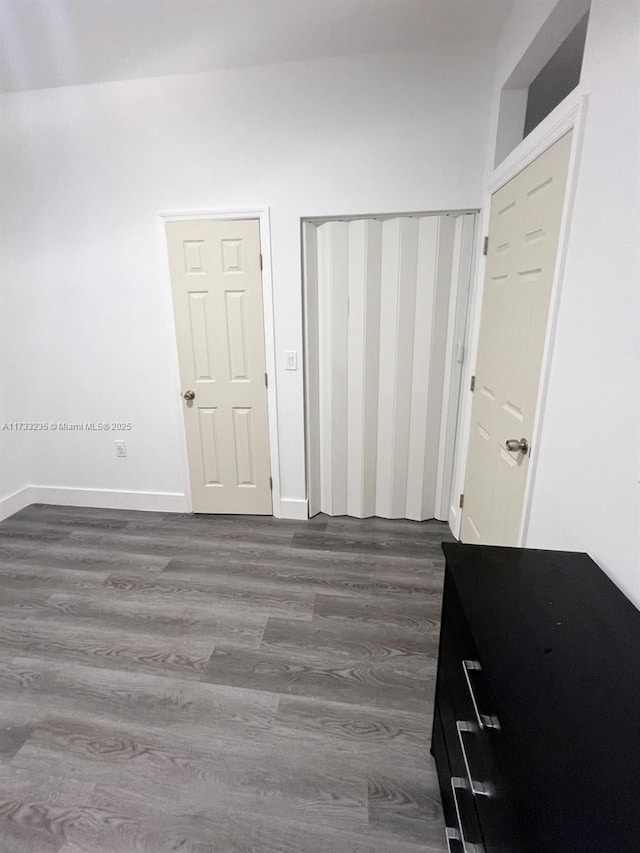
point(290, 360)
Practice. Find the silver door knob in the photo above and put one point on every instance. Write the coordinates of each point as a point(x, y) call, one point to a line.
point(515, 445)
point(189, 395)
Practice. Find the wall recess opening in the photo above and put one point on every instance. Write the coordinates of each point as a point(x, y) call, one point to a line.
point(558, 78)
point(548, 71)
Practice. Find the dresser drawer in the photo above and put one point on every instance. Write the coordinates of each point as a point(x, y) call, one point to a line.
point(483, 799)
point(462, 813)
point(463, 834)
point(473, 740)
point(452, 608)
point(441, 756)
point(477, 745)
point(465, 681)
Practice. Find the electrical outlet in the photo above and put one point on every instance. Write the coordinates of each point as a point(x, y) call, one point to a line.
point(121, 448)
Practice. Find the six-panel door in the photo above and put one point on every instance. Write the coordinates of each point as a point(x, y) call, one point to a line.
point(217, 295)
point(523, 241)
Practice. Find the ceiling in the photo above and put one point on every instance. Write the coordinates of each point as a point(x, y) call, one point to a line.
point(46, 43)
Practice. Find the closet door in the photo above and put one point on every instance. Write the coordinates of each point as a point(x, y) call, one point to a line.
point(386, 305)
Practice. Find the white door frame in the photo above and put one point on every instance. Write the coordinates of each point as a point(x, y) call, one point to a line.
point(261, 214)
point(570, 114)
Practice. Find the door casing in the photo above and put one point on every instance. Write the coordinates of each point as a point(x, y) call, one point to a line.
point(262, 215)
point(569, 115)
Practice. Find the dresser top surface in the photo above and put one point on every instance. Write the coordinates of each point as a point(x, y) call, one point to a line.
point(557, 597)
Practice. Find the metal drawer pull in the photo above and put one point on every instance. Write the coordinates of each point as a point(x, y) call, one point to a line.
point(452, 835)
point(484, 720)
point(483, 789)
point(458, 783)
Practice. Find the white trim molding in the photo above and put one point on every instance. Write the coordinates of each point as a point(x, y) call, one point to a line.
point(13, 503)
point(294, 509)
point(568, 115)
point(261, 214)
point(99, 498)
point(109, 498)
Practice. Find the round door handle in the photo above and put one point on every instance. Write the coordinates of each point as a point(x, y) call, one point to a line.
point(189, 395)
point(517, 445)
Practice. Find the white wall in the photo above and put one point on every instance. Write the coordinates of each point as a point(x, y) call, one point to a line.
point(586, 492)
point(14, 382)
point(85, 170)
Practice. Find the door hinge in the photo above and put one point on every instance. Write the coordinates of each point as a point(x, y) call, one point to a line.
point(485, 248)
point(270, 484)
point(260, 260)
point(472, 384)
point(266, 381)
point(461, 501)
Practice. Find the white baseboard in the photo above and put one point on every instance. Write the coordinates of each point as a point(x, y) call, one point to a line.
point(294, 509)
point(15, 502)
point(116, 499)
point(109, 498)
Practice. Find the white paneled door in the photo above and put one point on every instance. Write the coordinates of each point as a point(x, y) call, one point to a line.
point(523, 241)
point(386, 307)
point(217, 296)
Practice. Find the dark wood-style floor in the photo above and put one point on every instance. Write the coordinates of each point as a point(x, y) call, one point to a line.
point(227, 684)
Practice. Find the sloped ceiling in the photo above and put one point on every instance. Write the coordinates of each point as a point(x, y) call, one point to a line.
point(45, 43)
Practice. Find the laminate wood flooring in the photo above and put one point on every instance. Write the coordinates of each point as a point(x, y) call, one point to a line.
point(217, 684)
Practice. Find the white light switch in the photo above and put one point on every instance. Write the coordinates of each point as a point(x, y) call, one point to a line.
point(121, 448)
point(290, 360)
